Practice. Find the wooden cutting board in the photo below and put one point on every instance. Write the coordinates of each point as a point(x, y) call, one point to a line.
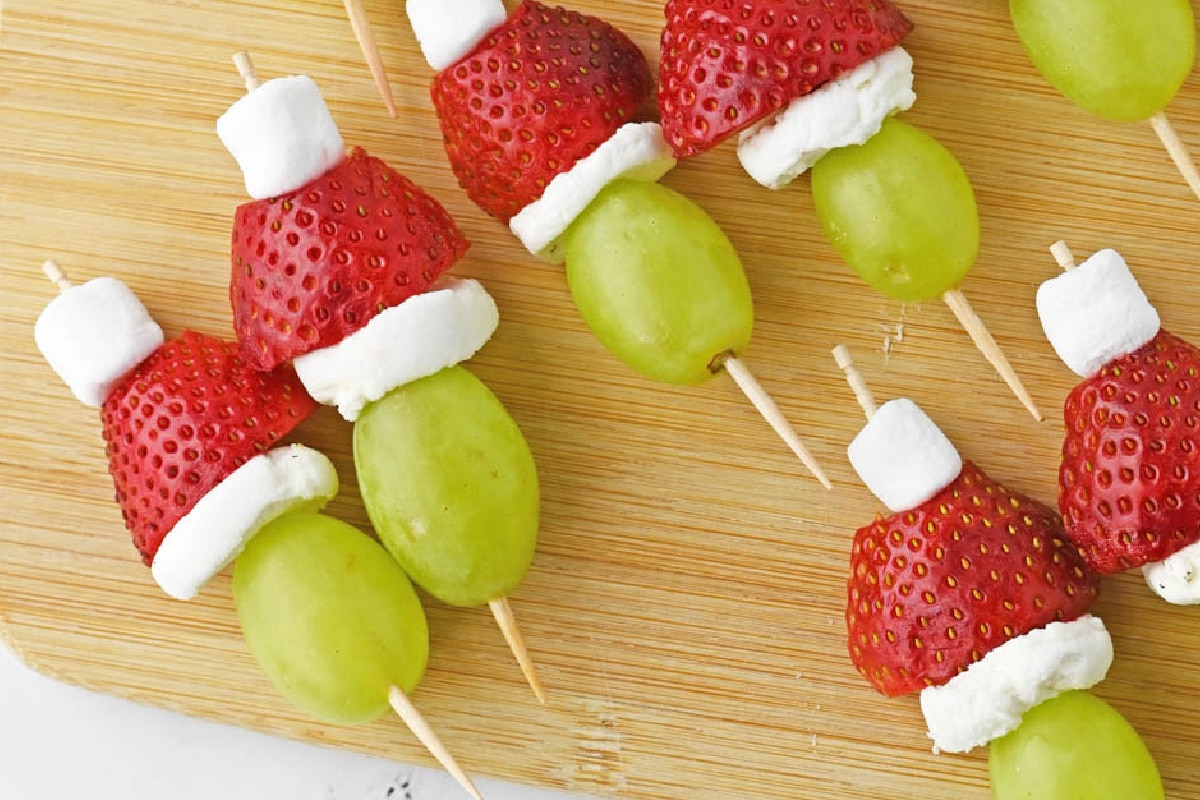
point(685, 606)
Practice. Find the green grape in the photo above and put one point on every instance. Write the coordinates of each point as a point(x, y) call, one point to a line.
point(658, 282)
point(1120, 59)
point(900, 211)
point(1074, 747)
point(450, 486)
point(331, 618)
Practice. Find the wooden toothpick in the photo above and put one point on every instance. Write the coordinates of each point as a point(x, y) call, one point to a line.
point(862, 393)
point(1063, 255)
point(991, 350)
point(56, 275)
point(245, 68)
point(503, 613)
point(366, 42)
point(428, 737)
point(770, 411)
point(1177, 150)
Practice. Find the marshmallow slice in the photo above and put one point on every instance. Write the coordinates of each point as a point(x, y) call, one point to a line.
point(282, 136)
point(423, 335)
point(447, 30)
point(1176, 578)
point(94, 333)
point(212, 534)
point(844, 112)
point(1095, 313)
point(903, 457)
point(989, 699)
point(637, 151)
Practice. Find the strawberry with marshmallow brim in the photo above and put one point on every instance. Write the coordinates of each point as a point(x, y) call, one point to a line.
point(1130, 478)
point(192, 432)
point(968, 592)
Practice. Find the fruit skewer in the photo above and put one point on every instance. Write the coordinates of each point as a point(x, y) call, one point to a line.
point(536, 109)
point(1122, 60)
point(1129, 485)
point(338, 268)
point(814, 86)
point(192, 434)
point(970, 594)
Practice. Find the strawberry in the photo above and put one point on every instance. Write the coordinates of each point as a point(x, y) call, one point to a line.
point(312, 267)
point(184, 419)
point(726, 64)
point(934, 589)
point(1129, 486)
point(539, 93)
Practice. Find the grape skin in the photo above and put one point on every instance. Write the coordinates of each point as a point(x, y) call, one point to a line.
point(658, 282)
point(330, 617)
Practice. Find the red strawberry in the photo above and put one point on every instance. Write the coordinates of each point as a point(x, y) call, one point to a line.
point(539, 93)
point(934, 589)
point(727, 64)
point(182, 421)
point(1129, 487)
point(312, 267)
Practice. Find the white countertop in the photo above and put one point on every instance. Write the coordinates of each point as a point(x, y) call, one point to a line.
point(59, 742)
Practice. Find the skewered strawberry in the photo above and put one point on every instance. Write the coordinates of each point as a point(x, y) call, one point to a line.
point(968, 592)
point(191, 431)
point(1129, 485)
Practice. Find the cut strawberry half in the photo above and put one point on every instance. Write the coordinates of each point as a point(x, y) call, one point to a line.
point(934, 589)
point(539, 93)
point(185, 419)
point(727, 64)
point(314, 266)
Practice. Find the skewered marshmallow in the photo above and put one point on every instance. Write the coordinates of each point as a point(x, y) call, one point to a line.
point(841, 113)
point(636, 151)
point(212, 534)
point(94, 333)
point(421, 336)
point(282, 136)
point(1176, 578)
point(990, 698)
point(903, 457)
point(449, 29)
point(1095, 313)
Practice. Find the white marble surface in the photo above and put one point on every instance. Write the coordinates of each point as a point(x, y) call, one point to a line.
point(60, 742)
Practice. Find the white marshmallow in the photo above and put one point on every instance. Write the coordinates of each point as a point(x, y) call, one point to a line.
point(423, 335)
point(1095, 313)
point(94, 333)
point(449, 29)
point(903, 457)
point(217, 528)
point(282, 136)
point(637, 151)
point(1176, 578)
point(841, 113)
point(990, 698)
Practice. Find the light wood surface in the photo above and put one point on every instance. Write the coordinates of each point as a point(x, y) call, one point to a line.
point(685, 607)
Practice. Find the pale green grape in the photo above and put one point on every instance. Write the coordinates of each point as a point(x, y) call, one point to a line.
point(658, 282)
point(450, 486)
point(1074, 747)
point(330, 617)
point(1121, 59)
point(900, 211)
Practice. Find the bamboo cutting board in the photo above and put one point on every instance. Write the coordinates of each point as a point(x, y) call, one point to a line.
point(685, 606)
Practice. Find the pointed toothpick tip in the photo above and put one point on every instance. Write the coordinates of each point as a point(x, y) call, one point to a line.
point(502, 611)
point(370, 50)
point(56, 274)
point(1063, 255)
point(245, 68)
point(416, 723)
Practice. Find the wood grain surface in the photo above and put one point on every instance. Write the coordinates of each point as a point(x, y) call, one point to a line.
point(686, 603)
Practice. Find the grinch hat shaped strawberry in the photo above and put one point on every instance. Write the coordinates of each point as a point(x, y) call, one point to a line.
point(968, 592)
point(794, 78)
point(337, 262)
point(191, 430)
point(1129, 486)
point(537, 110)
